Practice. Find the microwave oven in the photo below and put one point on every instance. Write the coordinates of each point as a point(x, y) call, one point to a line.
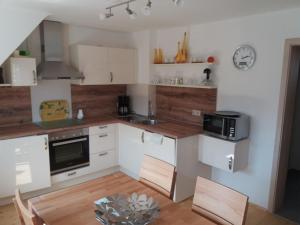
point(227, 125)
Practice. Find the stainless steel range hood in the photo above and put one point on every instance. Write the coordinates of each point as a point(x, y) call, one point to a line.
point(52, 66)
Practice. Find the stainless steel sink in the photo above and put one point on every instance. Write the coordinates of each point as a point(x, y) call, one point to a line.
point(151, 122)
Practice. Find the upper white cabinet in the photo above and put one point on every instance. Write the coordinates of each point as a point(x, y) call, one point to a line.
point(21, 71)
point(91, 61)
point(121, 64)
point(25, 164)
point(226, 155)
point(102, 65)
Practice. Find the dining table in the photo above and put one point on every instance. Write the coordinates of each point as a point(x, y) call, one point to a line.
point(75, 205)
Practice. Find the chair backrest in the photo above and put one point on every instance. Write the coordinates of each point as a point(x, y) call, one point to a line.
point(219, 203)
point(158, 174)
point(25, 216)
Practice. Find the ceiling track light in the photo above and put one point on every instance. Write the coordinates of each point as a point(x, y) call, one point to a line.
point(131, 13)
point(146, 10)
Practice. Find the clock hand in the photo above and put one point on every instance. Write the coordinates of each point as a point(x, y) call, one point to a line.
point(245, 57)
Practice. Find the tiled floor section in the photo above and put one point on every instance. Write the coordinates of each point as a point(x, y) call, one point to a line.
point(255, 216)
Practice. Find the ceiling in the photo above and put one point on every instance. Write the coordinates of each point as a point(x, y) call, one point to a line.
point(164, 12)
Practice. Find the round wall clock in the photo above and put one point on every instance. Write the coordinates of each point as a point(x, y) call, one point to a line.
point(244, 57)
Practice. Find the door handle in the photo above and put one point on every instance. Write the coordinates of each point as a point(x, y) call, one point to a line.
point(230, 161)
point(103, 135)
point(103, 154)
point(46, 143)
point(143, 137)
point(111, 77)
point(34, 77)
point(72, 174)
point(102, 127)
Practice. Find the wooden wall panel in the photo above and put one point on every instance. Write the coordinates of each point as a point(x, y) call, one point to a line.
point(96, 100)
point(173, 103)
point(15, 105)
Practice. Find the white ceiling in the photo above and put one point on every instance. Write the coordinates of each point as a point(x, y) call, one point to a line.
point(164, 13)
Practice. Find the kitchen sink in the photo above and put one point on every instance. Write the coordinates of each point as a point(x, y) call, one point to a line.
point(150, 122)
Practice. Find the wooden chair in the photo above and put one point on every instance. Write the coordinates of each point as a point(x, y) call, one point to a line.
point(219, 203)
point(159, 175)
point(25, 216)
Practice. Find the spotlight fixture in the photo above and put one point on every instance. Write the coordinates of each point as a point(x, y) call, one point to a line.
point(147, 9)
point(131, 13)
point(106, 15)
point(178, 2)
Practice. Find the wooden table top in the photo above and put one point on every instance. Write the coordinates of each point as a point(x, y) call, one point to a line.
point(75, 205)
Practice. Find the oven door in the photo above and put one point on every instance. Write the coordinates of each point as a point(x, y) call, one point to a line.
point(215, 125)
point(69, 154)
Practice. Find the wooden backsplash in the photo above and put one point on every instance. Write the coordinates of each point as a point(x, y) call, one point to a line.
point(15, 105)
point(173, 103)
point(96, 100)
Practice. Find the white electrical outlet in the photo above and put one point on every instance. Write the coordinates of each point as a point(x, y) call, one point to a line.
point(196, 112)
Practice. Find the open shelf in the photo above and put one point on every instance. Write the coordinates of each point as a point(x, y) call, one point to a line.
point(5, 85)
point(185, 86)
point(184, 64)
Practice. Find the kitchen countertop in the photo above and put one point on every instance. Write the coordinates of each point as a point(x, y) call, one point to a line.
point(171, 129)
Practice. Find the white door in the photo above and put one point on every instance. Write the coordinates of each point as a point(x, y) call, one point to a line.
point(92, 62)
point(7, 169)
point(131, 152)
point(23, 71)
point(32, 163)
point(121, 64)
point(25, 164)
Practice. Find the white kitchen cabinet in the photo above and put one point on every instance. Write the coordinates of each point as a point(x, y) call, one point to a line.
point(103, 65)
point(160, 147)
point(226, 155)
point(21, 71)
point(25, 164)
point(103, 160)
point(102, 138)
point(92, 62)
point(121, 64)
point(131, 149)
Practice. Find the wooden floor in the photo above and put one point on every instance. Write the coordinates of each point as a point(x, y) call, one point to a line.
point(256, 216)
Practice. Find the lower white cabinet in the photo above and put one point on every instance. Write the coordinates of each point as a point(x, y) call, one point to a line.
point(160, 147)
point(24, 163)
point(131, 149)
point(226, 155)
point(103, 160)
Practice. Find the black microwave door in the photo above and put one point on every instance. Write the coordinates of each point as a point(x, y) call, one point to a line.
point(213, 124)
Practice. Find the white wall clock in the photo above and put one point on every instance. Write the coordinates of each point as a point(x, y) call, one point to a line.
point(244, 57)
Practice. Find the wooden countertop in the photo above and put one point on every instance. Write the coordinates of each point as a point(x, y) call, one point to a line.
point(171, 129)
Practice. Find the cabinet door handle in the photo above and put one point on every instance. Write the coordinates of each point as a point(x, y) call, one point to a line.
point(103, 154)
point(111, 77)
point(143, 137)
point(103, 127)
point(230, 161)
point(46, 143)
point(34, 76)
point(72, 174)
point(103, 135)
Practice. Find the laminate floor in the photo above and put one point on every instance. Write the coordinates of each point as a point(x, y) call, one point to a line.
point(255, 216)
point(291, 205)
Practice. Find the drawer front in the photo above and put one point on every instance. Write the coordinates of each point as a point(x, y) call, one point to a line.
point(108, 128)
point(70, 174)
point(103, 160)
point(102, 142)
point(164, 150)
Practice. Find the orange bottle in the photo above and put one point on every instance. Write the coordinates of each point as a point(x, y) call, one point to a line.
point(178, 56)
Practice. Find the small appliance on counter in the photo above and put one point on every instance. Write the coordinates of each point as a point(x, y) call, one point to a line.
point(228, 125)
point(123, 105)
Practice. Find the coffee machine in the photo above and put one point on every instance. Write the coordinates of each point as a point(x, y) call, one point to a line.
point(123, 105)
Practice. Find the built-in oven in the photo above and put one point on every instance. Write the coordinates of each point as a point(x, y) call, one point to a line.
point(68, 150)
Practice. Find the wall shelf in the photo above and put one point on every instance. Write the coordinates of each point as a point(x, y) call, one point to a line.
point(184, 64)
point(5, 85)
point(185, 86)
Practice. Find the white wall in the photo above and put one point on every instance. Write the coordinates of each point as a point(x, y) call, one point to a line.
point(255, 92)
point(15, 26)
